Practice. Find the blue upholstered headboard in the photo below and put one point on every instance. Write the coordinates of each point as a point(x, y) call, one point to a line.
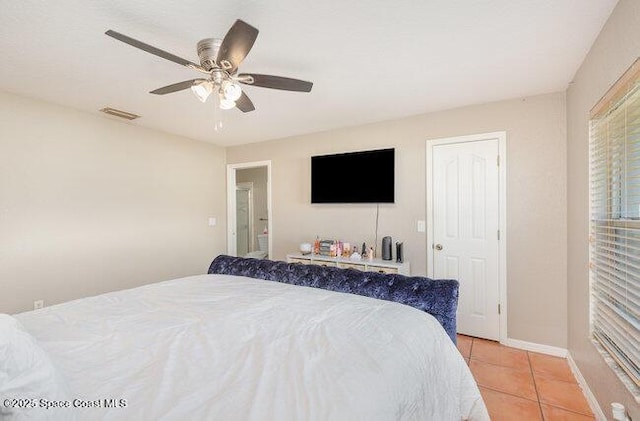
point(436, 297)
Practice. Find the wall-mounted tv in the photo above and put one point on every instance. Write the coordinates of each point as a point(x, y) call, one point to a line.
point(354, 177)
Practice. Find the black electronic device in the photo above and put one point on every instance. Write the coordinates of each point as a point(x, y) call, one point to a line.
point(354, 177)
point(386, 248)
point(399, 253)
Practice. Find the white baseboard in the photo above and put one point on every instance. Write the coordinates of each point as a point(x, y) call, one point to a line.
point(534, 347)
point(591, 399)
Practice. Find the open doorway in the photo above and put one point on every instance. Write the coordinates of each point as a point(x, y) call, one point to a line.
point(249, 232)
point(245, 216)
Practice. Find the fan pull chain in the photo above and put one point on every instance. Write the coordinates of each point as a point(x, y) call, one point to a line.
point(217, 121)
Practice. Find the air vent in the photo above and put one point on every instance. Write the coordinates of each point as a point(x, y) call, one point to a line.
point(119, 113)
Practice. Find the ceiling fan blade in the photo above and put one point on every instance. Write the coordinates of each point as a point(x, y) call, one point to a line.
point(275, 82)
point(151, 49)
point(244, 104)
point(176, 87)
point(236, 45)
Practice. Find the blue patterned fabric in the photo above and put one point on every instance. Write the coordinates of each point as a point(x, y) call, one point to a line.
point(436, 297)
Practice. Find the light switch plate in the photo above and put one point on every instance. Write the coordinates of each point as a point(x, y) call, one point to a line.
point(212, 222)
point(422, 227)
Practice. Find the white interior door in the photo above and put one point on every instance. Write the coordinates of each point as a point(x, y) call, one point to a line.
point(465, 223)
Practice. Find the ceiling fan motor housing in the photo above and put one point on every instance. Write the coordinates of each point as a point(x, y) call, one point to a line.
point(208, 52)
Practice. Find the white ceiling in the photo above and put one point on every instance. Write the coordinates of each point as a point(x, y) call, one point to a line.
point(369, 61)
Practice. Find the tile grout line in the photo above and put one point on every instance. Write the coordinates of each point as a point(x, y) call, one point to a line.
point(508, 394)
point(563, 408)
point(548, 404)
point(500, 391)
point(509, 367)
point(535, 385)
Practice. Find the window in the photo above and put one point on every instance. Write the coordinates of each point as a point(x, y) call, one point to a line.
point(614, 186)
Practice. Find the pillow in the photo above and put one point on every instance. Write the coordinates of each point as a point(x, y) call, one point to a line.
point(27, 375)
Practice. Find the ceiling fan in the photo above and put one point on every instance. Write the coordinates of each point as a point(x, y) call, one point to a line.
point(219, 61)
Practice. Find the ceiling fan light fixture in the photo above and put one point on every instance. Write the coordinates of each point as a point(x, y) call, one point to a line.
point(231, 90)
point(219, 61)
point(202, 90)
point(226, 104)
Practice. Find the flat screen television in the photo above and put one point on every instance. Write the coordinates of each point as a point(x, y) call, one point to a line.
point(354, 177)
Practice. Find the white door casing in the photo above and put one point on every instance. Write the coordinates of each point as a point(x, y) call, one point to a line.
point(465, 192)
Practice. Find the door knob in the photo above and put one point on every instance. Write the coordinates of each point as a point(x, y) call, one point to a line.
point(438, 247)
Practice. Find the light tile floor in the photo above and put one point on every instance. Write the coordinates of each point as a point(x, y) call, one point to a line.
point(523, 385)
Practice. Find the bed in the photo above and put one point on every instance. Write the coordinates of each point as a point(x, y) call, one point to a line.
point(227, 347)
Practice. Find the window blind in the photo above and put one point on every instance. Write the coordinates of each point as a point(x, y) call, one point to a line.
point(615, 222)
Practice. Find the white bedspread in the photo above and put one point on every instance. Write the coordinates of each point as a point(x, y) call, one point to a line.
point(217, 347)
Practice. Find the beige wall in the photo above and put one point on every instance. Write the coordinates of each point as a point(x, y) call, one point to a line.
point(616, 48)
point(536, 183)
point(258, 176)
point(89, 205)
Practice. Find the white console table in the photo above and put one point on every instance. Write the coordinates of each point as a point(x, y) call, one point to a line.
point(375, 265)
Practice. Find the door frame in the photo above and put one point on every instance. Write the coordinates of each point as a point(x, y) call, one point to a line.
point(501, 136)
point(231, 204)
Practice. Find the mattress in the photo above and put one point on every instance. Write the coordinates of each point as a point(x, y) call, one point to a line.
point(221, 347)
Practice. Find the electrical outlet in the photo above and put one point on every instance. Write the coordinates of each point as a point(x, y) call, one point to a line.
point(38, 304)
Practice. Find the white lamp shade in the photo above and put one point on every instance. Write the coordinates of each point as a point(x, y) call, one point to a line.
point(202, 90)
point(226, 104)
point(231, 90)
